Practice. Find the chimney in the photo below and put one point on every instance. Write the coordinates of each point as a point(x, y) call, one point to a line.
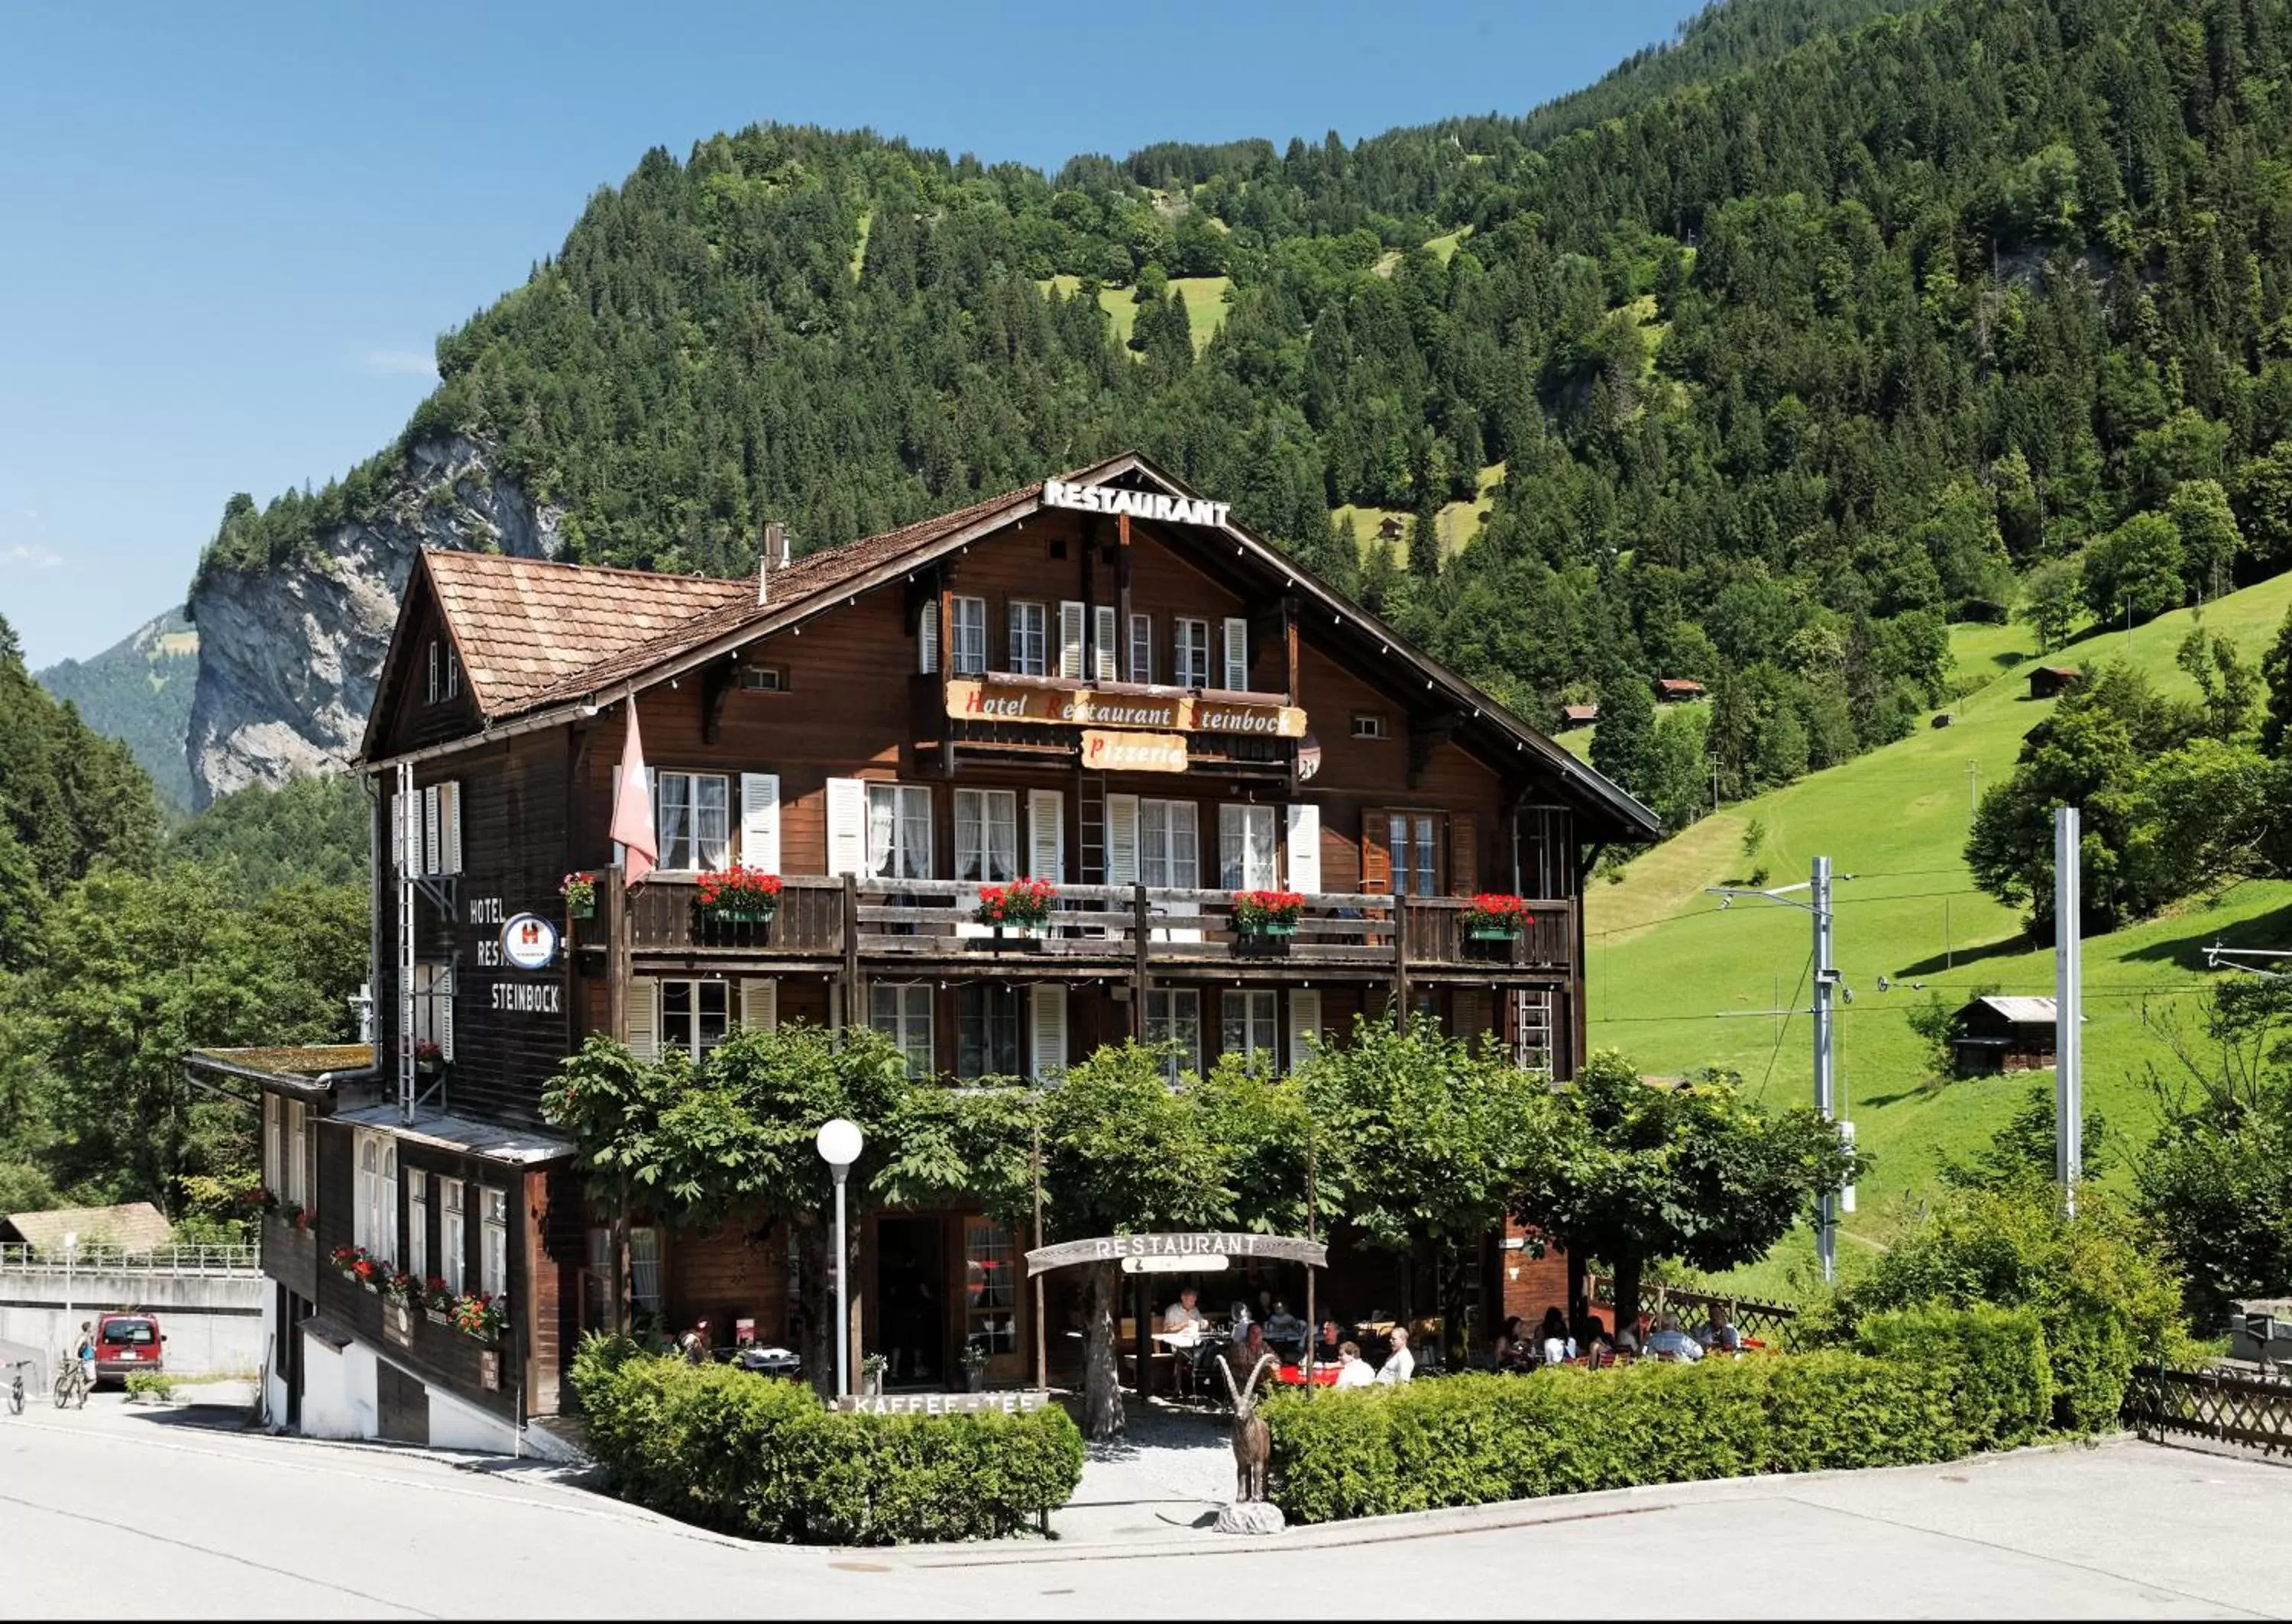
point(774, 556)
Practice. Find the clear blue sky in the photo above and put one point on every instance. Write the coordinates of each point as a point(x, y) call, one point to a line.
point(229, 235)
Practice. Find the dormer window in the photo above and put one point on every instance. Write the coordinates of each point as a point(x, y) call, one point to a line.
point(445, 671)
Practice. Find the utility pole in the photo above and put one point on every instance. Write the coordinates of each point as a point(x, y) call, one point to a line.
point(2068, 1010)
point(1826, 982)
point(1825, 987)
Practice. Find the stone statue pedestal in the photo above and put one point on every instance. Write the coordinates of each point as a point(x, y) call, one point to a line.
point(1251, 1518)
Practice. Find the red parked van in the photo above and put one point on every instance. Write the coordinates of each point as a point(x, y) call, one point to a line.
point(126, 1343)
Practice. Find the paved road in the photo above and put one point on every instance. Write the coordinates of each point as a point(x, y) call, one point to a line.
point(197, 1521)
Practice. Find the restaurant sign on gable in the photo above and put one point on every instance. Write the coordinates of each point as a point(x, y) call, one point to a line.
point(1139, 504)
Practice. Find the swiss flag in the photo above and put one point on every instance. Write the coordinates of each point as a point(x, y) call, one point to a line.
point(632, 808)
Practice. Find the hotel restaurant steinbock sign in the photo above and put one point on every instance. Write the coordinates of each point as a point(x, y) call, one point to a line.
point(1210, 1249)
point(976, 700)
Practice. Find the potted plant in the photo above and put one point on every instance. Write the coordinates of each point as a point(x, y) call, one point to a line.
point(872, 1365)
point(429, 1059)
point(480, 1315)
point(1495, 916)
point(1022, 905)
point(404, 1289)
point(740, 896)
point(1267, 914)
point(580, 890)
point(360, 1265)
point(436, 1301)
point(975, 1366)
point(296, 1214)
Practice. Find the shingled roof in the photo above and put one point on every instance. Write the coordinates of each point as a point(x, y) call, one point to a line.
point(525, 626)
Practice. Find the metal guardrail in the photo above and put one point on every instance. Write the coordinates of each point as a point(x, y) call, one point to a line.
point(18, 1256)
point(2226, 1406)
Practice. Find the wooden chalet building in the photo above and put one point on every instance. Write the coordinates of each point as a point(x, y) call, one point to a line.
point(1099, 679)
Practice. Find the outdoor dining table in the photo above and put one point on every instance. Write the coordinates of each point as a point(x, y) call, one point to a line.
point(1324, 1375)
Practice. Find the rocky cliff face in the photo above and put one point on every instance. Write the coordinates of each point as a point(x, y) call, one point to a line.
point(289, 655)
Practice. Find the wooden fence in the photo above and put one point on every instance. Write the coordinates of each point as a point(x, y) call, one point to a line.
point(2226, 1406)
point(1753, 1317)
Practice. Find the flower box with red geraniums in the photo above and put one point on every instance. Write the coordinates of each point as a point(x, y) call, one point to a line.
point(1022, 905)
point(739, 896)
point(428, 1057)
point(436, 1301)
point(404, 1289)
point(357, 1264)
point(1267, 912)
point(295, 1213)
point(580, 890)
point(1495, 916)
point(480, 1314)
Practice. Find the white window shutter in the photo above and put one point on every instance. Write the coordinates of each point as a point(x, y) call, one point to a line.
point(1122, 839)
point(1141, 649)
point(1305, 1022)
point(397, 833)
point(1046, 836)
point(760, 1003)
point(441, 1010)
point(1070, 631)
point(449, 804)
point(644, 1017)
point(927, 639)
point(431, 852)
point(847, 826)
point(1050, 1026)
point(760, 820)
point(1105, 645)
point(1304, 847)
point(1237, 652)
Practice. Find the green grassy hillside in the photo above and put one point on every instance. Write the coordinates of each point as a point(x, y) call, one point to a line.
point(1676, 983)
point(1205, 297)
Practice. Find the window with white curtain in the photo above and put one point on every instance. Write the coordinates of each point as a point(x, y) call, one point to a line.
point(274, 1145)
point(1169, 844)
point(693, 819)
point(298, 1153)
point(1141, 649)
point(694, 1015)
point(452, 1234)
point(899, 831)
point(1189, 643)
point(644, 1270)
point(986, 835)
point(1030, 639)
point(493, 1253)
point(417, 1223)
point(1246, 849)
point(1175, 1016)
point(970, 625)
point(902, 1012)
point(1251, 1025)
point(374, 1222)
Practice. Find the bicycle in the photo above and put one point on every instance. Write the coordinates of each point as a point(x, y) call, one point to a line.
point(16, 1385)
point(71, 1384)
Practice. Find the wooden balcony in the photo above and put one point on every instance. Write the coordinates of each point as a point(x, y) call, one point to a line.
point(825, 925)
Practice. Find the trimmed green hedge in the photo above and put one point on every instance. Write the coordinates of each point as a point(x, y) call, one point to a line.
point(715, 1445)
point(2001, 1382)
point(1470, 1440)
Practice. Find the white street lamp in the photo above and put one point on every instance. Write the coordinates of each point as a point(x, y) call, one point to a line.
point(839, 1144)
point(71, 1254)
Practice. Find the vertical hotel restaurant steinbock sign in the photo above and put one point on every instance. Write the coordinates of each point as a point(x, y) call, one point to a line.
point(1158, 505)
point(974, 699)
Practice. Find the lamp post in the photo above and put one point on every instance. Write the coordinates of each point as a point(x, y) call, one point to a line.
point(839, 1144)
point(71, 1254)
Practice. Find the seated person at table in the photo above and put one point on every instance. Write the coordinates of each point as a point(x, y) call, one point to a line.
point(1402, 1364)
point(1668, 1341)
point(1720, 1335)
point(1352, 1370)
point(1283, 1327)
point(1599, 1353)
point(1244, 1352)
point(1329, 1346)
point(1559, 1348)
point(1627, 1343)
point(1182, 1314)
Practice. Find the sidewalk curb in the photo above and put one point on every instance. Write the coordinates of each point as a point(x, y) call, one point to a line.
point(1634, 1501)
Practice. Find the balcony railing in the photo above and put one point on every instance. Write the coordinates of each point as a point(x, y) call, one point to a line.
point(820, 918)
point(16, 1258)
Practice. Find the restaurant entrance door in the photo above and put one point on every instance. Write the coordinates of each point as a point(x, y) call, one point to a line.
point(911, 1298)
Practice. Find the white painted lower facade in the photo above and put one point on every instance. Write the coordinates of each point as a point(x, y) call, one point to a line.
point(340, 1400)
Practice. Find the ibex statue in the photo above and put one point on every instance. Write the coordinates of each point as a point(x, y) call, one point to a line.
point(1253, 1445)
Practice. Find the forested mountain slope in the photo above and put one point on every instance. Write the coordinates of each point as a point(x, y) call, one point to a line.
point(138, 691)
point(1784, 370)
